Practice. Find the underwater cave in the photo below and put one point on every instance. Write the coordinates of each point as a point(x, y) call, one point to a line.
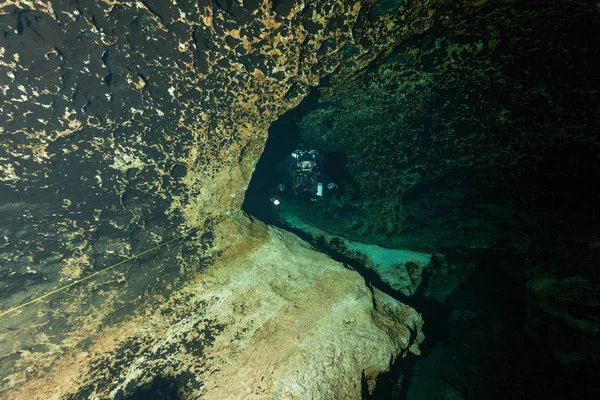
point(161, 238)
point(436, 168)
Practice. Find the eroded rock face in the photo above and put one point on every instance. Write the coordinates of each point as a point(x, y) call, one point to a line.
point(271, 318)
point(125, 124)
point(476, 105)
point(401, 269)
point(479, 140)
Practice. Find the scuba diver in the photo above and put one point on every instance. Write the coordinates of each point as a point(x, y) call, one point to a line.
point(304, 174)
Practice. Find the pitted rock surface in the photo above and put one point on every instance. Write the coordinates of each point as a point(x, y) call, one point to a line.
point(271, 319)
point(493, 93)
point(124, 124)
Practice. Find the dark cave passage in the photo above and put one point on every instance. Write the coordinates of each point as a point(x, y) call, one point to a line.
point(493, 184)
point(283, 140)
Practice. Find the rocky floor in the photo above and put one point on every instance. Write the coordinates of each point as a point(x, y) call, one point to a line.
point(486, 336)
point(272, 318)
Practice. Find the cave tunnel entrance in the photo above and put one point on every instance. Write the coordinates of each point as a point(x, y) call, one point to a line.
point(283, 139)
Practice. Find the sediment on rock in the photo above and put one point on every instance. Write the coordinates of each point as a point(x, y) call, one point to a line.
point(127, 124)
point(401, 269)
point(271, 318)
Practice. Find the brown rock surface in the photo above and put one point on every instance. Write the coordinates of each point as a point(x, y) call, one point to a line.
point(126, 124)
point(271, 319)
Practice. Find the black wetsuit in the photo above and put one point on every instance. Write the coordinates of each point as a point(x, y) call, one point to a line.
point(304, 183)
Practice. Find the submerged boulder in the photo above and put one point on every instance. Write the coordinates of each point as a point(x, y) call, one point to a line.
point(399, 268)
point(271, 319)
point(564, 314)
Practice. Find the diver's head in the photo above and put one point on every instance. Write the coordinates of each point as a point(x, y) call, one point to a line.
point(306, 162)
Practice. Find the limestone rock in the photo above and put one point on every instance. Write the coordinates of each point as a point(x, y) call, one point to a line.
point(271, 319)
point(445, 277)
point(427, 123)
point(125, 124)
point(563, 312)
point(400, 269)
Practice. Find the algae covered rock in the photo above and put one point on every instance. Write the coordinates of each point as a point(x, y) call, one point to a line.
point(125, 125)
point(467, 109)
point(271, 319)
point(563, 313)
point(399, 268)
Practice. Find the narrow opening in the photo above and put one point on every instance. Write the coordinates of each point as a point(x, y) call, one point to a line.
point(284, 138)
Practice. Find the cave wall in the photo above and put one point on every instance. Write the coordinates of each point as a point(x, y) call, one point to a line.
point(473, 107)
point(478, 140)
point(124, 124)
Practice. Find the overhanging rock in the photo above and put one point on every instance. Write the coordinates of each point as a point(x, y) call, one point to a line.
point(127, 124)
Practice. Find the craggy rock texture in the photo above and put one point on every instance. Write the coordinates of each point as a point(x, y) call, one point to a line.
point(563, 294)
point(400, 269)
point(124, 124)
point(479, 140)
point(271, 318)
point(477, 103)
